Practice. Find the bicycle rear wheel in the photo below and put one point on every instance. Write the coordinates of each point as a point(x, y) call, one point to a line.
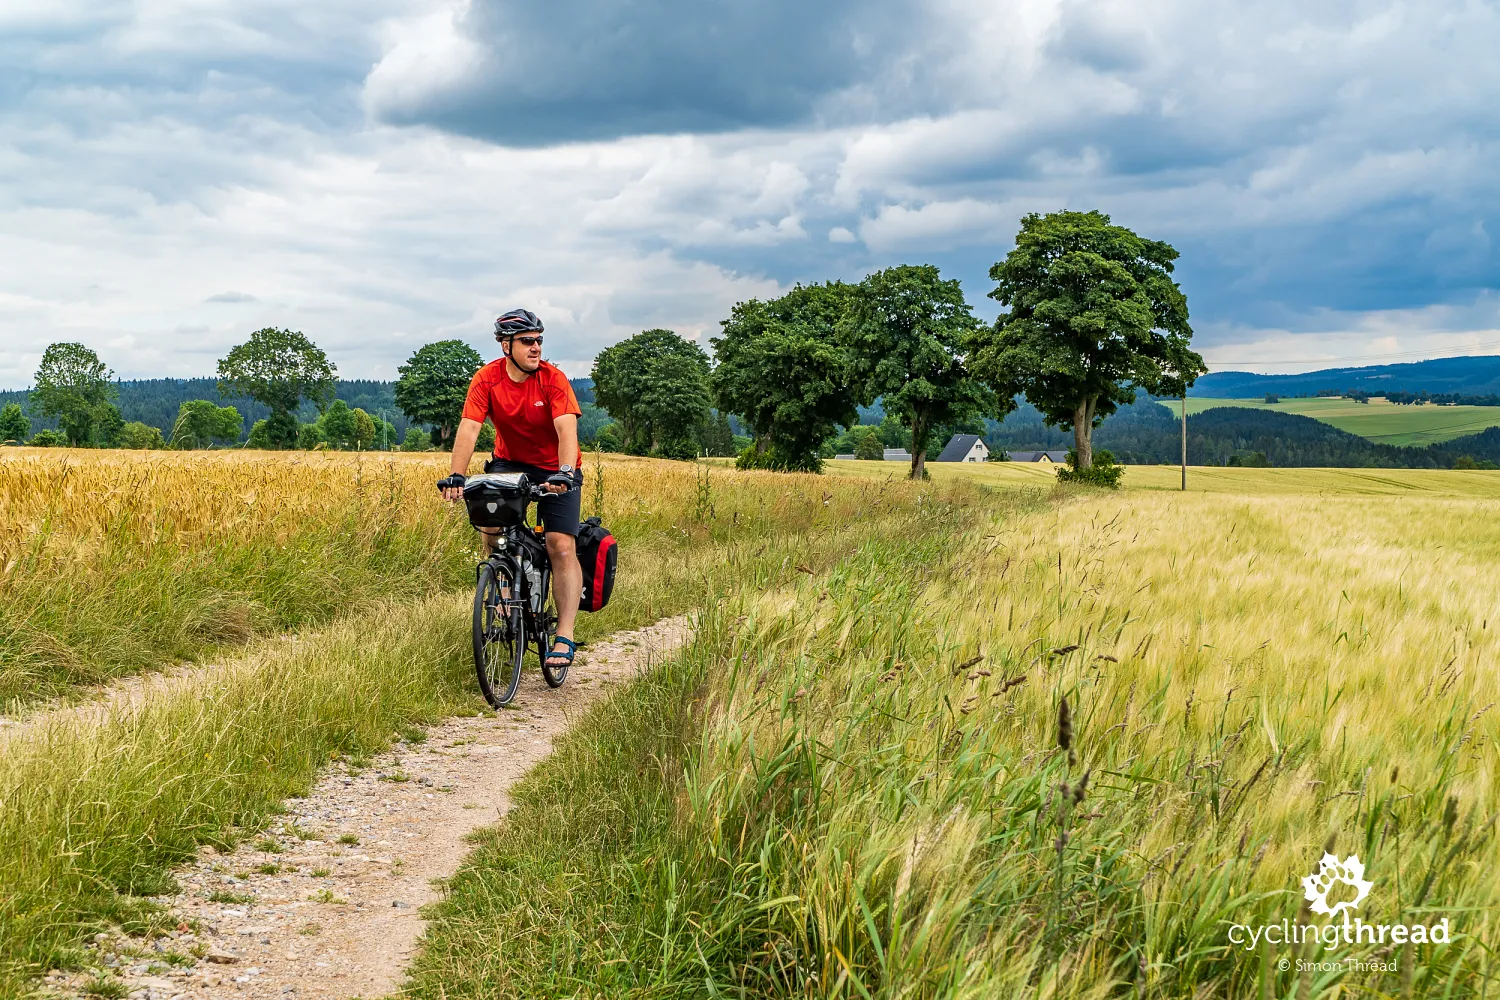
point(499, 635)
point(554, 676)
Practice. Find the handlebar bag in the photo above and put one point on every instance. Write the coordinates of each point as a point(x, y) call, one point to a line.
point(497, 499)
point(597, 555)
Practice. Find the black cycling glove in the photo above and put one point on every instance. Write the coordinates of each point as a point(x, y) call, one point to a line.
point(454, 481)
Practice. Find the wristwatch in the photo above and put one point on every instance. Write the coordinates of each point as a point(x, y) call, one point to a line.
point(568, 469)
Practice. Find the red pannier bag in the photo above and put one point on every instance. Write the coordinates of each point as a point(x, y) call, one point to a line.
point(596, 554)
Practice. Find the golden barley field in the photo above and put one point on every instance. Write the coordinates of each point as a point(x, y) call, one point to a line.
point(112, 562)
point(115, 561)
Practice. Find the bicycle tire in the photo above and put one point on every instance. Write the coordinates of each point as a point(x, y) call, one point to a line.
point(499, 636)
point(554, 676)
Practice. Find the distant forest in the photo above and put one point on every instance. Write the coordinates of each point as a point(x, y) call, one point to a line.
point(1146, 433)
point(1448, 377)
point(1143, 433)
point(155, 402)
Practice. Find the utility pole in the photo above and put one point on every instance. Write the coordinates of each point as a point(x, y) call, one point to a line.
point(1184, 439)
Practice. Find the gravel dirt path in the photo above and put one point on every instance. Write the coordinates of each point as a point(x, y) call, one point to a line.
point(324, 905)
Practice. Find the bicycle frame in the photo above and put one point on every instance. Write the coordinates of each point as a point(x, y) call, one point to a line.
point(517, 547)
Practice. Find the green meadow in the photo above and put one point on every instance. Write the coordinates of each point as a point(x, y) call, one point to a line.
point(1377, 420)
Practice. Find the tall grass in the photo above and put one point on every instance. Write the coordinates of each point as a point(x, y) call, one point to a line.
point(115, 562)
point(98, 802)
point(856, 786)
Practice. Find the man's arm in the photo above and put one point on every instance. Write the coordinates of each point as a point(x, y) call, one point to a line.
point(567, 439)
point(463, 453)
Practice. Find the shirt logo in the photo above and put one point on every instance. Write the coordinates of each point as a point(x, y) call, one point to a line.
point(537, 403)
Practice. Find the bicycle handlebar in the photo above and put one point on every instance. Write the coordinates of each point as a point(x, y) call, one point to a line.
point(541, 492)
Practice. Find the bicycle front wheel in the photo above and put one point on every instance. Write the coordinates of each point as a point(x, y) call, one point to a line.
point(499, 635)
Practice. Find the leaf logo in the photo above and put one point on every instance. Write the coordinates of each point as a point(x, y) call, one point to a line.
point(1331, 870)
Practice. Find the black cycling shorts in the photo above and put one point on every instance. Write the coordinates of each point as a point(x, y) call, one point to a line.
point(560, 512)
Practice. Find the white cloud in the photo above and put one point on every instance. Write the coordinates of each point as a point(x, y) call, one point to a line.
point(426, 58)
point(179, 172)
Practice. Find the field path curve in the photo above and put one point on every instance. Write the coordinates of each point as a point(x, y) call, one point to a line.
point(337, 920)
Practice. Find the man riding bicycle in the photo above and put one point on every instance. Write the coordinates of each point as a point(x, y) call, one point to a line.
point(535, 415)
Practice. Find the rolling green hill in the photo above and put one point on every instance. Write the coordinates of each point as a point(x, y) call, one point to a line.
point(1377, 420)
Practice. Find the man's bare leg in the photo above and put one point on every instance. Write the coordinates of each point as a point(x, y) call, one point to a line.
point(567, 586)
point(489, 540)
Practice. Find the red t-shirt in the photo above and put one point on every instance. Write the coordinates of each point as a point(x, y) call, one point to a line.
point(522, 412)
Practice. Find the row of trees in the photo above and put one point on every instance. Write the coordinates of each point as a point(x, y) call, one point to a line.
point(1092, 315)
point(277, 368)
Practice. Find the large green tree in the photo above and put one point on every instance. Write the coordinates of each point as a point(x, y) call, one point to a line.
point(75, 387)
point(14, 426)
point(655, 385)
point(906, 330)
point(1092, 315)
point(433, 384)
point(279, 369)
point(783, 372)
point(200, 423)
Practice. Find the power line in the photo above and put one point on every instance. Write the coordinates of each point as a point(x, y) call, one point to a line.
point(1394, 355)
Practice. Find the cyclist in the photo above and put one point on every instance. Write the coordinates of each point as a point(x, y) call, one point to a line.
point(535, 415)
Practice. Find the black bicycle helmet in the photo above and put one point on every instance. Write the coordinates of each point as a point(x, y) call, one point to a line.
point(517, 321)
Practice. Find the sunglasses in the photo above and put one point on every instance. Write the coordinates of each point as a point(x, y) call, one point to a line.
point(529, 341)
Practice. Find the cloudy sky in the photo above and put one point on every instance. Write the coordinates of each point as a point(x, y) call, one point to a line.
point(382, 173)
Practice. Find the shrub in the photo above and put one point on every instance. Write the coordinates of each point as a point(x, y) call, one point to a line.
point(1105, 471)
point(681, 449)
point(138, 436)
point(258, 438)
point(1271, 397)
point(309, 436)
point(869, 447)
point(416, 440)
point(608, 439)
point(751, 458)
point(1250, 460)
point(48, 439)
point(14, 425)
point(265, 435)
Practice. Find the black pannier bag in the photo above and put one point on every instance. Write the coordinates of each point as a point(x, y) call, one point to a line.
point(596, 554)
point(497, 499)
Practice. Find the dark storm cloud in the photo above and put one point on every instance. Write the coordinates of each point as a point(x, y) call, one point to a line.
point(566, 70)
